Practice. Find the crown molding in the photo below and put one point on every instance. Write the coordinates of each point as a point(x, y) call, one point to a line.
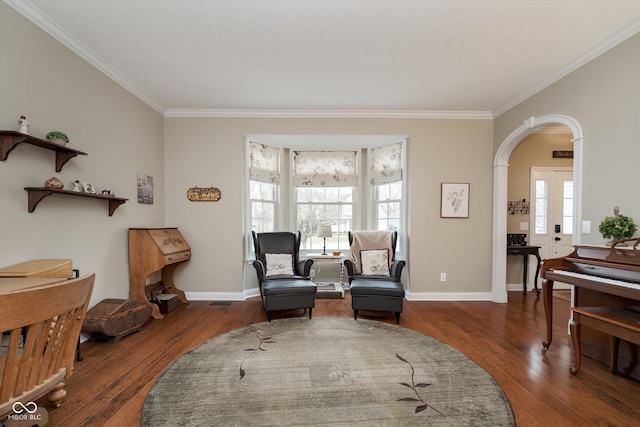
point(35, 15)
point(331, 114)
point(616, 38)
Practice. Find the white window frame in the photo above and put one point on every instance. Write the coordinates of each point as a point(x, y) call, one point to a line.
point(365, 205)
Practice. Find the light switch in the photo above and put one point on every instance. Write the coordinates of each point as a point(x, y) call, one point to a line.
point(586, 227)
point(524, 226)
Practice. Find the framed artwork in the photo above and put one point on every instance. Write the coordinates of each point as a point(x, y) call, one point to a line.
point(454, 200)
point(88, 188)
point(210, 194)
point(145, 189)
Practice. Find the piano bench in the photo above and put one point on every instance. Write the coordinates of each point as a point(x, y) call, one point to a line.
point(617, 322)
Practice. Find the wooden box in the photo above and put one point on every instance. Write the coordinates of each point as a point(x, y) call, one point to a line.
point(166, 302)
point(114, 318)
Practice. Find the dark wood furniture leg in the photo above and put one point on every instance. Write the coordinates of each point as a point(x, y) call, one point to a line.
point(547, 296)
point(574, 325)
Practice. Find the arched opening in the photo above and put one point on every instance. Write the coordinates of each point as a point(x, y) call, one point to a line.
point(500, 176)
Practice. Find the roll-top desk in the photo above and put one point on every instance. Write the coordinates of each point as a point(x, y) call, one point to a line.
point(151, 250)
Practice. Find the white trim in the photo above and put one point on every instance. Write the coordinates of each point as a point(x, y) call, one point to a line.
point(618, 37)
point(34, 14)
point(223, 296)
point(330, 114)
point(500, 178)
point(449, 296)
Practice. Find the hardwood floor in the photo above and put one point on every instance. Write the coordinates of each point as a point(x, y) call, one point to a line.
point(109, 386)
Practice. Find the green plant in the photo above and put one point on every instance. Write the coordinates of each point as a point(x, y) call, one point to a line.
point(617, 226)
point(59, 135)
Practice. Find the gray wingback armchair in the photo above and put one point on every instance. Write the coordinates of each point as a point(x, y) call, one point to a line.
point(283, 277)
point(375, 288)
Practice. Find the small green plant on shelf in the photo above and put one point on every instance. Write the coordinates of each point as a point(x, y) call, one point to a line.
point(617, 226)
point(58, 137)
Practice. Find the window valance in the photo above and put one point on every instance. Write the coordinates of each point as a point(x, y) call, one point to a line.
point(386, 164)
point(325, 168)
point(264, 163)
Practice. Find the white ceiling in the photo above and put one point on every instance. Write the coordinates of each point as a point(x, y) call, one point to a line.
point(359, 57)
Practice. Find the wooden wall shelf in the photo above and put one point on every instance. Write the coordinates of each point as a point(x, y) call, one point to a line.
point(9, 139)
point(36, 194)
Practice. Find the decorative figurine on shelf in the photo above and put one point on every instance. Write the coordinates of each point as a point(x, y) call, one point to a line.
point(54, 183)
point(76, 186)
point(107, 192)
point(24, 125)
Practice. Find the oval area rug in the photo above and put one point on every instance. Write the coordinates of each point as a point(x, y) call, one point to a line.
point(325, 371)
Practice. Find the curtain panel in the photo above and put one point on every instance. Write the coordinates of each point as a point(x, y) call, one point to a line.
point(325, 169)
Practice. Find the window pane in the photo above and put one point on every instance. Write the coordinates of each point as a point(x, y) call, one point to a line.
point(567, 207)
point(541, 206)
point(324, 206)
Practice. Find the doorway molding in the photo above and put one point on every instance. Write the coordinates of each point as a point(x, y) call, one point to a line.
point(500, 183)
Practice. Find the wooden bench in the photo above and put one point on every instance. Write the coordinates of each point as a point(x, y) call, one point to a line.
point(617, 322)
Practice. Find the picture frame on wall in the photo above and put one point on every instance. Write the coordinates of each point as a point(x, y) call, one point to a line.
point(145, 189)
point(454, 200)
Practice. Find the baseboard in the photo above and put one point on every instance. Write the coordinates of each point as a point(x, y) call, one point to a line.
point(449, 296)
point(222, 296)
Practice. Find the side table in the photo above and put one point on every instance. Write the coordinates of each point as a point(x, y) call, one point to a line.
point(525, 251)
point(329, 258)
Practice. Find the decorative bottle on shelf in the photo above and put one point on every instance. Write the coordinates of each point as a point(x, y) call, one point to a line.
point(24, 125)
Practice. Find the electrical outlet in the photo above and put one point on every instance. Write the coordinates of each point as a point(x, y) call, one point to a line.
point(443, 277)
point(312, 274)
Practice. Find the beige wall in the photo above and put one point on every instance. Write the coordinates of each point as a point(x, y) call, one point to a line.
point(57, 90)
point(604, 97)
point(210, 152)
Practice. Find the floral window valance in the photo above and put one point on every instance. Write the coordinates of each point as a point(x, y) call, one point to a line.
point(325, 168)
point(265, 163)
point(386, 164)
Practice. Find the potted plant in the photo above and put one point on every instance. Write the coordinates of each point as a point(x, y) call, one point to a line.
point(617, 227)
point(57, 137)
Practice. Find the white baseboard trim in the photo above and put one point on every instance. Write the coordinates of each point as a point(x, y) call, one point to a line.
point(448, 296)
point(222, 296)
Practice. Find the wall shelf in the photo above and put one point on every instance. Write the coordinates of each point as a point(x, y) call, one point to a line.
point(36, 194)
point(9, 139)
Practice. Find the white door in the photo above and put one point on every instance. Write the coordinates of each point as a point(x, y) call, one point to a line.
point(551, 216)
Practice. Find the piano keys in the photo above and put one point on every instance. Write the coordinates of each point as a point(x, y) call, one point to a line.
point(602, 276)
point(155, 250)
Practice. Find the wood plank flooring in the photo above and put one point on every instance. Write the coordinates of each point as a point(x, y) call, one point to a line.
point(109, 386)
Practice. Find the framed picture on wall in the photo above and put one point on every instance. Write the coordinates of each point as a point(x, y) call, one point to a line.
point(454, 200)
point(145, 189)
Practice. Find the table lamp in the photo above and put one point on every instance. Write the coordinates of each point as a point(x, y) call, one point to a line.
point(324, 231)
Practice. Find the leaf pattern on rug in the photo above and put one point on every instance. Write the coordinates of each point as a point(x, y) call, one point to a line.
point(266, 340)
point(413, 386)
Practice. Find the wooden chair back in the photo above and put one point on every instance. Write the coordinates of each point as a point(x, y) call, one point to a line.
point(42, 328)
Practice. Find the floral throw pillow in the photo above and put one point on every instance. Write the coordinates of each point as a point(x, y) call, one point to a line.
point(375, 262)
point(279, 264)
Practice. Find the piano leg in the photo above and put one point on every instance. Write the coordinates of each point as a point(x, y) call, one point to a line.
point(574, 325)
point(547, 296)
point(614, 345)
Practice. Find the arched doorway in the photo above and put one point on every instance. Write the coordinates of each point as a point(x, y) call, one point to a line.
point(500, 175)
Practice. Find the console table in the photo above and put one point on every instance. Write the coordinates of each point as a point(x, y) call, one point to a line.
point(525, 251)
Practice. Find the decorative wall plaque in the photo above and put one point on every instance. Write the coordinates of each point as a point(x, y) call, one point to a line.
point(210, 194)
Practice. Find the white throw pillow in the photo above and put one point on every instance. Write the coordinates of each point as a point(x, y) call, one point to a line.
point(279, 264)
point(375, 262)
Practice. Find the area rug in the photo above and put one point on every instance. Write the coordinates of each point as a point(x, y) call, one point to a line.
point(325, 371)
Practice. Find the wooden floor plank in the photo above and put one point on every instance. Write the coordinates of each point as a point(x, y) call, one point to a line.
point(108, 388)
